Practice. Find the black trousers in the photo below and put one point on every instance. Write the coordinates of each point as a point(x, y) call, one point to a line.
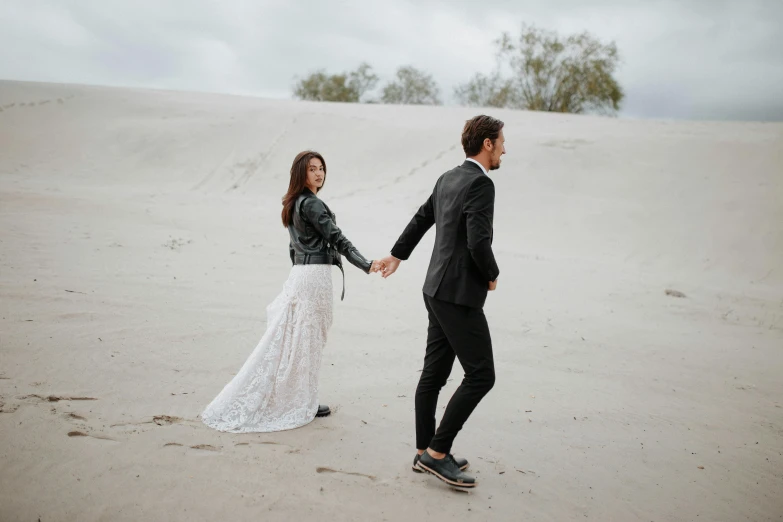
point(461, 332)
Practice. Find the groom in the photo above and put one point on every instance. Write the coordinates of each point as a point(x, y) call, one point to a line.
point(462, 269)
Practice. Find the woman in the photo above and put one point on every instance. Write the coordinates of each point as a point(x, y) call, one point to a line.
point(277, 388)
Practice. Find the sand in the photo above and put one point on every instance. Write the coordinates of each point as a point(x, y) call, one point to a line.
point(141, 244)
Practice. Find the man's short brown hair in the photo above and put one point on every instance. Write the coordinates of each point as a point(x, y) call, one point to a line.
point(477, 130)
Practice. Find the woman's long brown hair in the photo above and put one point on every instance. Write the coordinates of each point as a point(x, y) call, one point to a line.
point(298, 182)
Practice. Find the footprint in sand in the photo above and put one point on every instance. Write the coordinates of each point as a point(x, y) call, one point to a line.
point(6, 408)
point(160, 420)
point(101, 438)
point(322, 469)
point(264, 442)
point(198, 449)
point(203, 450)
point(40, 399)
point(205, 447)
point(57, 398)
point(166, 420)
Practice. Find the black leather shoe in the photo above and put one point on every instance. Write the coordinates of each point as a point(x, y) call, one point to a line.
point(462, 463)
point(446, 469)
point(323, 411)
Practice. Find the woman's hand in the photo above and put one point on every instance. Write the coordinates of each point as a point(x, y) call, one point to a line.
point(377, 266)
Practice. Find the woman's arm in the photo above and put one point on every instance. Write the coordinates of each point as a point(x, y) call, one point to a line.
point(317, 214)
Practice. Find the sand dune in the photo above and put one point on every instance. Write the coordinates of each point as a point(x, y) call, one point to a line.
point(141, 243)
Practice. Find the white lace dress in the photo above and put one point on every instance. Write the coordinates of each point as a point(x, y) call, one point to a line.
point(277, 387)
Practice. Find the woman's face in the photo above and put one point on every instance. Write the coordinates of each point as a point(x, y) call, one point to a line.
point(315, 175)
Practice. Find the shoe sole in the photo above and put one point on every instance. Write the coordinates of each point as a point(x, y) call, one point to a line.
point(461, 485)
point(324, 414)
point(417, 470)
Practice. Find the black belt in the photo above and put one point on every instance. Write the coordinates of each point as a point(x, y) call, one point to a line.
point(321, 259)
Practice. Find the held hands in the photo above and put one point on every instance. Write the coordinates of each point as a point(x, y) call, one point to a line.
point(386, 266)
point(390, 265)
point(377, 266)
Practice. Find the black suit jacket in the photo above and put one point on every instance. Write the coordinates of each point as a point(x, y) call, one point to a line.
point(462, 264)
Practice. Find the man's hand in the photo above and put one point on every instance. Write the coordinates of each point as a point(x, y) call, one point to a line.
point(390, 265)
point(493, 285)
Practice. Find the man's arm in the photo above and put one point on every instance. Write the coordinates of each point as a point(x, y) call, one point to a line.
point(479, 209)
point(421, 222)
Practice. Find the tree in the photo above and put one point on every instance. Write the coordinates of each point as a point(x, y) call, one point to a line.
point(412, 87)
point(346, 87)
point(487, 91)
point(549, 73)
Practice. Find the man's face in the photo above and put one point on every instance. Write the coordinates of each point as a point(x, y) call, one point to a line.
point(497, 151)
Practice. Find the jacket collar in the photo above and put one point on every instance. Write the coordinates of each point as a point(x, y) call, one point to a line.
point(472, 164)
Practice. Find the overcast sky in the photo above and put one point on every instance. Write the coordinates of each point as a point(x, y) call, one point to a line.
point(695, 59)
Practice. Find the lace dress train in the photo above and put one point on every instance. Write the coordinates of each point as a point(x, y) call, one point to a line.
point(277, 387)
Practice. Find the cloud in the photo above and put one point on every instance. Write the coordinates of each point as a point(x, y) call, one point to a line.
point(696, 59)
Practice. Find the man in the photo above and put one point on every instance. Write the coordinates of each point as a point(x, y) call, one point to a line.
point(462, 270)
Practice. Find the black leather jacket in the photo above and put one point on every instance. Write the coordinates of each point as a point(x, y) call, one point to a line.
point(316, 239)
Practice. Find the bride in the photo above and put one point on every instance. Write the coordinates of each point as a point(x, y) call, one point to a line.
point(277, 387)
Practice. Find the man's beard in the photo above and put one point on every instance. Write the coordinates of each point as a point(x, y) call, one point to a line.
point(494, 165)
